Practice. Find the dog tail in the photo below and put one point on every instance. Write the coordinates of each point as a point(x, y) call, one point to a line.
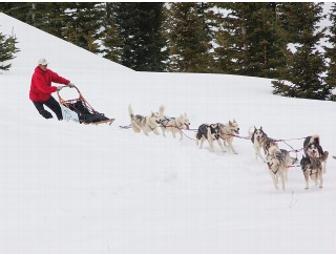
point(162, 110)
point(130, 111)
point(198, 135)
point(251, 133)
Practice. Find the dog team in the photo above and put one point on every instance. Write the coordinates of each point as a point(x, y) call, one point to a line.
point(313, 162)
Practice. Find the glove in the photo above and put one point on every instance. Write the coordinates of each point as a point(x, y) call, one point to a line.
point(71, 85)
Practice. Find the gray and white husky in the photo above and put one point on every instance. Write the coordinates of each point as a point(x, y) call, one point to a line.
point(260, 140)
point(278, 162)
point(148, 123)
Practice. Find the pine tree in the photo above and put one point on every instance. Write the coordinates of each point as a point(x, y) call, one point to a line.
point(189, 39)
point(7, 50)
point(249, 40)
point(140, 28)
point(111, 38)
point(306, 65)
point(330, 79)
point(49, 16)
point(83, 24)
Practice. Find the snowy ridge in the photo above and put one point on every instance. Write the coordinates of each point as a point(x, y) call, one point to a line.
point(71, 188)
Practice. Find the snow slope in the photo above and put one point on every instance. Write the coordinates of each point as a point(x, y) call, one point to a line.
point(70, 188)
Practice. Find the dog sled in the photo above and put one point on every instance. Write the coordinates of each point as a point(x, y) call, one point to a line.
point(86, 113)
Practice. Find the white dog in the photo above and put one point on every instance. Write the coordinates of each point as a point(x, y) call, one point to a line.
point(175, 125)
point(227, 133)
point(146, 123)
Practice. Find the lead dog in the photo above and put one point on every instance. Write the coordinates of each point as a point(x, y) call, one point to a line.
point(314, 160)
point(278, 162)
point(148, 123)
point(175, 125)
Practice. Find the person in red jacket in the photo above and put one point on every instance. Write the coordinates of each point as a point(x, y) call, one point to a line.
point(41, 89)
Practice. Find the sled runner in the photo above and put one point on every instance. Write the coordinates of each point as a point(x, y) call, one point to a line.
point(86, 113)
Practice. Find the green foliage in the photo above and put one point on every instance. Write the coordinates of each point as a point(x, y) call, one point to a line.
point(82, 24)
point(7, 50)
point(139, 26)
point(330, 78)
point(250, 40)
point(305, 66)
point(189, 39)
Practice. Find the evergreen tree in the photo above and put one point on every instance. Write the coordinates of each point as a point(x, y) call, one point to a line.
point(140, 27)
point(83, 22)
point(330, 79)
point(249, 40)
point(189, 39)
point(7, 50)
point(111, 39)
point(306, 65)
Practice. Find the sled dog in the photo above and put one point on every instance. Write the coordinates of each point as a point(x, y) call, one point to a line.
point(314, 160)
point(315, 141)
point(227, 133)
point(278, 162)
point(148, 123)
point(211, 133)
point(260, 140)
point(222, 134)
point(175, 125)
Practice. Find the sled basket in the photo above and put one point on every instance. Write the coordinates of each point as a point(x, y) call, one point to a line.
point(86, 113)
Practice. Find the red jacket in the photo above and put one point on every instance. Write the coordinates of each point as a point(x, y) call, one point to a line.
point(40, 87)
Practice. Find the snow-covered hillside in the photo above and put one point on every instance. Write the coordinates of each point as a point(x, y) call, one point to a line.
point(66, 187)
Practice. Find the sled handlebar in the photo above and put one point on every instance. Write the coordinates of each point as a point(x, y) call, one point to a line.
point(62, 87)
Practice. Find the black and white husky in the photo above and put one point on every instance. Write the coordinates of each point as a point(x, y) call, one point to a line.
point(222, 134)
point(314, 160)
point(211, 133)
point(148, 123)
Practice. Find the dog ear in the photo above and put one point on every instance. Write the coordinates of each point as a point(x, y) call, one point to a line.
point(261, 128)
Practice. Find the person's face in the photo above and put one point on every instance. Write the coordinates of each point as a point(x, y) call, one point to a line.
point(43, 67)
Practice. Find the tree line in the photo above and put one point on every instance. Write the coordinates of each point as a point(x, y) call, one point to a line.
point(265, 39)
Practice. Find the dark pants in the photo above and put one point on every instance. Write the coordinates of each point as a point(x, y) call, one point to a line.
point(53, 105)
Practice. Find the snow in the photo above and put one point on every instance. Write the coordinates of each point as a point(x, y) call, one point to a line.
point(70, 188)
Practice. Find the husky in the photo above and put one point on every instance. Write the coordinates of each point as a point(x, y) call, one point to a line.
point(146, 123)
point(278, 162)
point(260, 140)
point(227, 133)
point(211, 133)
point(315, 141)
point(313, 162)
point(175, 125)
